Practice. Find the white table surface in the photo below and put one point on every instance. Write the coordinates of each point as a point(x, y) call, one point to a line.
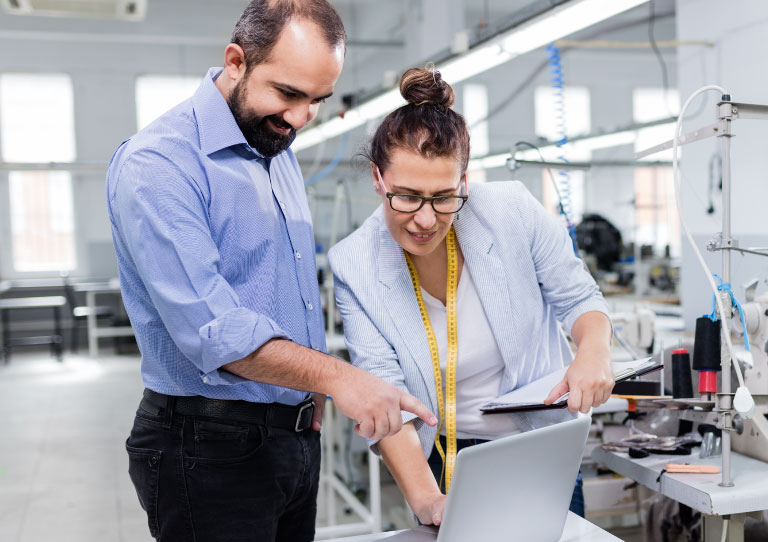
point(701, 492)
point(577, 529)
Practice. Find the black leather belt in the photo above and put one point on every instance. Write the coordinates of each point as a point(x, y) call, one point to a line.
point(297, 418)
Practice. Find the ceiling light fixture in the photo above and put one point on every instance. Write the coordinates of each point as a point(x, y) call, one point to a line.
point(549, 25)
point(576, 145)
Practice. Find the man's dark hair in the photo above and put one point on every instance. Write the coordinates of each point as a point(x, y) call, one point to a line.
point(262, 22)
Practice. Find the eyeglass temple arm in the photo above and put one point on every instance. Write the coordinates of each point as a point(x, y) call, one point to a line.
point(381, 181)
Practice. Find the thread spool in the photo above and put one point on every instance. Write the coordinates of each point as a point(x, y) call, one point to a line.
point(682, 385)
point(706, 353)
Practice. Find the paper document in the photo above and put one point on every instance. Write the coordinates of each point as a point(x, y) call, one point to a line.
point(532, 395)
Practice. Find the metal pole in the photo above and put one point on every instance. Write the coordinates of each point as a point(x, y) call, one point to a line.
point(725, 402)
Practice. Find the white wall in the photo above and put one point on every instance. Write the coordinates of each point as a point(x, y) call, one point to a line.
point(735, 62)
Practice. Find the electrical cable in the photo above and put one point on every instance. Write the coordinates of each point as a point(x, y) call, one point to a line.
point(676, 177)
point(756, 252)
point(662, 63)
point(571, 227)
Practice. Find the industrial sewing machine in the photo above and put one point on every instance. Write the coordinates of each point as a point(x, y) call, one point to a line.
point(751, 435)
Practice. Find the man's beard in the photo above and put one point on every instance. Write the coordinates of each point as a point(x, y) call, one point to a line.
point(256, 130)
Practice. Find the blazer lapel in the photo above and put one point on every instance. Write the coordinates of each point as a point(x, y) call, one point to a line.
point(490, 278)
point(396, 289)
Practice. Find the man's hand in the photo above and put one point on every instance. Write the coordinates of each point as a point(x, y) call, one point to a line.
point(375, 404)
point(430, 511)
point(588, 381)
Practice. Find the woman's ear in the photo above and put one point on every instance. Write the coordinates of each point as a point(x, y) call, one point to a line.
point(375, 176)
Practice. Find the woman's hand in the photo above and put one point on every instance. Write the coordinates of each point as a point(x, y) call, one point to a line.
point(430, 508)
point(589, 379)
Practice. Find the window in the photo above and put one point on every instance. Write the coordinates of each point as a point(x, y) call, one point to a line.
point(649, 104)
point(156, 94)
point(37, 126)
point(573, 113)
point(656, 218)
point(475, 113)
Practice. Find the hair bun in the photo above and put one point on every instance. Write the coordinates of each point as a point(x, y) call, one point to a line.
point(421, 86)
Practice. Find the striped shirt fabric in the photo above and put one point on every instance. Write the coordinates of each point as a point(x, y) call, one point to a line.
point(215, 250)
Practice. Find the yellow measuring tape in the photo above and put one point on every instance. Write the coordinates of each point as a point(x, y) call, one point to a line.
point(447, 413)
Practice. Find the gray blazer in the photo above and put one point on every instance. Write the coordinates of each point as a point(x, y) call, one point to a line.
point(527, 277)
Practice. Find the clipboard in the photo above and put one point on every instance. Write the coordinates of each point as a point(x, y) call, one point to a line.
point(531, 396)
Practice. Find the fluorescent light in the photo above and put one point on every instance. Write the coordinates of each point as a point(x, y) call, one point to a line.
point(562, 21)
point(488, 162)
point(551, 152)
point(545, 28)
point(473, 62)
point(374, 108)
point(381, 104)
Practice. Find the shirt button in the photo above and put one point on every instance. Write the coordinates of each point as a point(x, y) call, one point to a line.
point(282, 204)
point(309, 306)
point(205, 379)
point(298, 255)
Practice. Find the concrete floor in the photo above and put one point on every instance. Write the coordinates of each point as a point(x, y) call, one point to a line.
point(63, 466)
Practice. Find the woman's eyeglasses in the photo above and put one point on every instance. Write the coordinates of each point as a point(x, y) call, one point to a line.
point(411, 203)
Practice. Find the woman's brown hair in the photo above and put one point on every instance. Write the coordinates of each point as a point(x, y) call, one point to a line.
point(425, 125)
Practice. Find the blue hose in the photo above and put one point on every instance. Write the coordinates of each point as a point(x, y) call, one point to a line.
point(335, 162)
point(564, 177)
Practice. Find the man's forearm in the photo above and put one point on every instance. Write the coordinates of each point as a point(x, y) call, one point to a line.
point(284, 363)
point(375, 404)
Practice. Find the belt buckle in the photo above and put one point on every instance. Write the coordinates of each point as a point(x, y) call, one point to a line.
point(304, 407)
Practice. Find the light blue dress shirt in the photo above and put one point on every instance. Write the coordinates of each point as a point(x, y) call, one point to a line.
point(215, 250)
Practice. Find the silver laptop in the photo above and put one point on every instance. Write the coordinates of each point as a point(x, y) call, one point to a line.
point(514, 488)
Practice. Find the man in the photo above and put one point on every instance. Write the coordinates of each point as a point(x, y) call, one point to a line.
point(216, 256)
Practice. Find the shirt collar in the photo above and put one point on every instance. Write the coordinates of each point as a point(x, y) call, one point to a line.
point(216, 124)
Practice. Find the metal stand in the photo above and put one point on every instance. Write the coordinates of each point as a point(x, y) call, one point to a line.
point(727, 112)
point(333, 487)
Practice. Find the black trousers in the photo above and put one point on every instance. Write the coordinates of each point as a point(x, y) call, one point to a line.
point(203, 479)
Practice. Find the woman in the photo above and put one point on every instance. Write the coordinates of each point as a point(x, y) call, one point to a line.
point(456, 297)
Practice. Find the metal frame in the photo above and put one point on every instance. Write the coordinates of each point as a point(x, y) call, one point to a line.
point(333, 487)
point(727, 112)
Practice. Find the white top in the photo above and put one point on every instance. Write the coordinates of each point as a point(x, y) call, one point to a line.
point(480, 365)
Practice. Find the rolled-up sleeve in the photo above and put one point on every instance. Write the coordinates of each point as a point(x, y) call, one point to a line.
point(163, 219)
point(565, 283)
